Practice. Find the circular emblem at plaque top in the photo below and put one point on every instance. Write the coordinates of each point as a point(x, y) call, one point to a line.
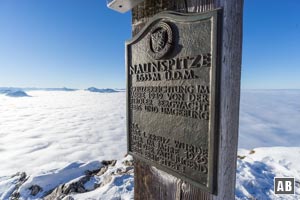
point(160, 40)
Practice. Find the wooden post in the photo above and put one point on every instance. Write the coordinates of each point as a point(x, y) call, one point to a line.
point(151, 183)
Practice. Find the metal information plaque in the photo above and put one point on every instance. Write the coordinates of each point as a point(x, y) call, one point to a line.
point(172, 96)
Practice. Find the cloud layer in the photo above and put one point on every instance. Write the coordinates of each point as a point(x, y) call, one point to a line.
point(269, 118)
point(54, 128)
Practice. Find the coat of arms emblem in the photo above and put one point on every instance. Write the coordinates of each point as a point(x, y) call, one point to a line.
point(160, 40)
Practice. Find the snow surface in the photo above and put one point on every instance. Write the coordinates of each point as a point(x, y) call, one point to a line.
point(256, 172)
point(119, 188)
point(115, 183)
point(50, 180)
point(55, 136)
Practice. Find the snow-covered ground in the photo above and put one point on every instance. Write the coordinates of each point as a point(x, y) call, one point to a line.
point(257, 168)
point(59, 138)
point(77, 181)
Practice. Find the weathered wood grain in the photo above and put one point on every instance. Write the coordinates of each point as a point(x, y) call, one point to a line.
point(151, 183)
point(231, 58)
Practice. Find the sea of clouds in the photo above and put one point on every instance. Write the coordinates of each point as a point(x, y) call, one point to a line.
point(53, 128)
point(269, 118)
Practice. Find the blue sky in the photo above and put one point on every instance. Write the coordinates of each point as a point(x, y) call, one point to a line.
point(77, 43)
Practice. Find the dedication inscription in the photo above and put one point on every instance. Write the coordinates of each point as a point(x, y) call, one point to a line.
point(172, 96)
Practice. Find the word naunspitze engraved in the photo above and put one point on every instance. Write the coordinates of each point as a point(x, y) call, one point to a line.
point(174, 69)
